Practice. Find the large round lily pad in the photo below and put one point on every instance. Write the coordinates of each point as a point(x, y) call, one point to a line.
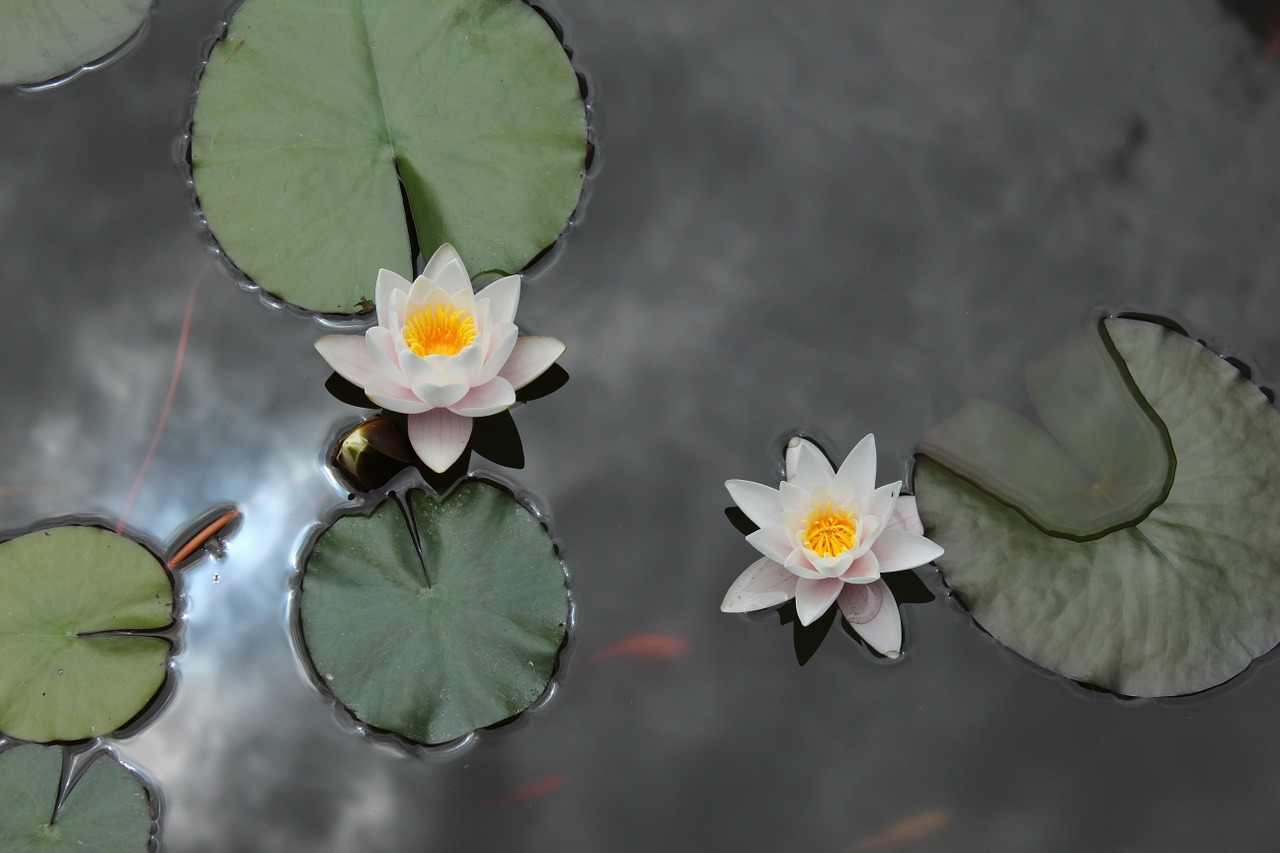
point(435, 635)
point(107, 809)
point(66, 671)
point(1176, 601)
point(313, 118)
point(43, 39)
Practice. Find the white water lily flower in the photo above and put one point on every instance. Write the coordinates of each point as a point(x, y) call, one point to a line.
point(441, 354)
point(826, 537)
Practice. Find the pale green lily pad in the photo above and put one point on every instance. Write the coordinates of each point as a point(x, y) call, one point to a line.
point(1174, 602)
point(64, 594)
point(107, 809)
point(434, 663)
point(311, 115)
point(44, 39)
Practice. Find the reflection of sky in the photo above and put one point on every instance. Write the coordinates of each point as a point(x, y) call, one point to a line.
point(852, 217)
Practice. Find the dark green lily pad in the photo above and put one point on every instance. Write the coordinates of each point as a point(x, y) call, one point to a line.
point(1175, 601)
point(44, 39)
point(107, 809)
point(435, 661)
point(312, 118)
point(65, 596)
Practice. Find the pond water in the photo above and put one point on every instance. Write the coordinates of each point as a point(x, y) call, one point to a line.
point(841, 218)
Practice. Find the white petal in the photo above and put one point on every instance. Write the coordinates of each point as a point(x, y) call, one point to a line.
point(771, 542)
point(382, 347)
point(863, 570)
point(499, 350)
point(857, 474)
point(905, 516)
point(503, 296)
point(880, 502)
point(798, 564)
point(439, 437)
point(761, 504)
point(898, 550)
point(349, 356)
point(447, 270)
point(794, 499)
point(763, 584)
point(873, 613)
point(441, 396)
point(387, 394)
point(814, 597)
point(530, 358)
point(811, 467)
point(487, 399)
point(388, 283)
point(831, 567)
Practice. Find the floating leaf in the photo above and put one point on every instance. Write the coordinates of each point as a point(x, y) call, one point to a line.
point(1174, 602)
point(314, 118)
point(435, 659)
point(43, 39)
point(107, 809)
point(66, 594)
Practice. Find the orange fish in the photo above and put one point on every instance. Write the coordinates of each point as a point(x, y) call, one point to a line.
point(535, 789)
point(645, 647)
point(906, 831)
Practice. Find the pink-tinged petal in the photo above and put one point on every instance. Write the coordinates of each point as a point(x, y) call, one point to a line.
point(814, 597)
point(865, 569)
point(811, 467)
point(763, 584)
point(396, 398)
point(771, 542)
point(487, 399)
point(898, 550)
point(798, 564)
point(761, 504)
point(503, 296)
point(500, 347)
point(446, 269)
point(530, 358)
point(388, 283)
point(857, 474)
point(441, 396)
point(439, 437)
point(880, 503)
point(905, 516)
point(382, 347)
point(873, 613)
point(348, 355)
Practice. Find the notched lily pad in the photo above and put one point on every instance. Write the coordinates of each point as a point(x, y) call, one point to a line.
point(335, 137)
point(1177, 600)
point(107, 808)
point(435, 633)
point(69, 599)
point(44, 39)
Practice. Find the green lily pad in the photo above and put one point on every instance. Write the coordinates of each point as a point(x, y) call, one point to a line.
point(312, 118)
point(43, 39)
point(1174, 601)
point(435, 659)
point(65, 595)
point(107, 808)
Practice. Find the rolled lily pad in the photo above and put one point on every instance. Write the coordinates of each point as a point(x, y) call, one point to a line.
point(107, 808)
point(440, 633)
point(332, 138)
point(66, 596)
point(1175, 601)
point(44, 39)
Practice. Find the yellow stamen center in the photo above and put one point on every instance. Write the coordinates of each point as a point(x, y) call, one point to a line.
point(830, 532)
point(439, 330)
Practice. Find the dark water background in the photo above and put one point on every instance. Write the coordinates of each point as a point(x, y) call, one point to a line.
point(844, 217)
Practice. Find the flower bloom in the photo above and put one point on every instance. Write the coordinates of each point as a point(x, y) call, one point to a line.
point(441, 354)
point(826, 537)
